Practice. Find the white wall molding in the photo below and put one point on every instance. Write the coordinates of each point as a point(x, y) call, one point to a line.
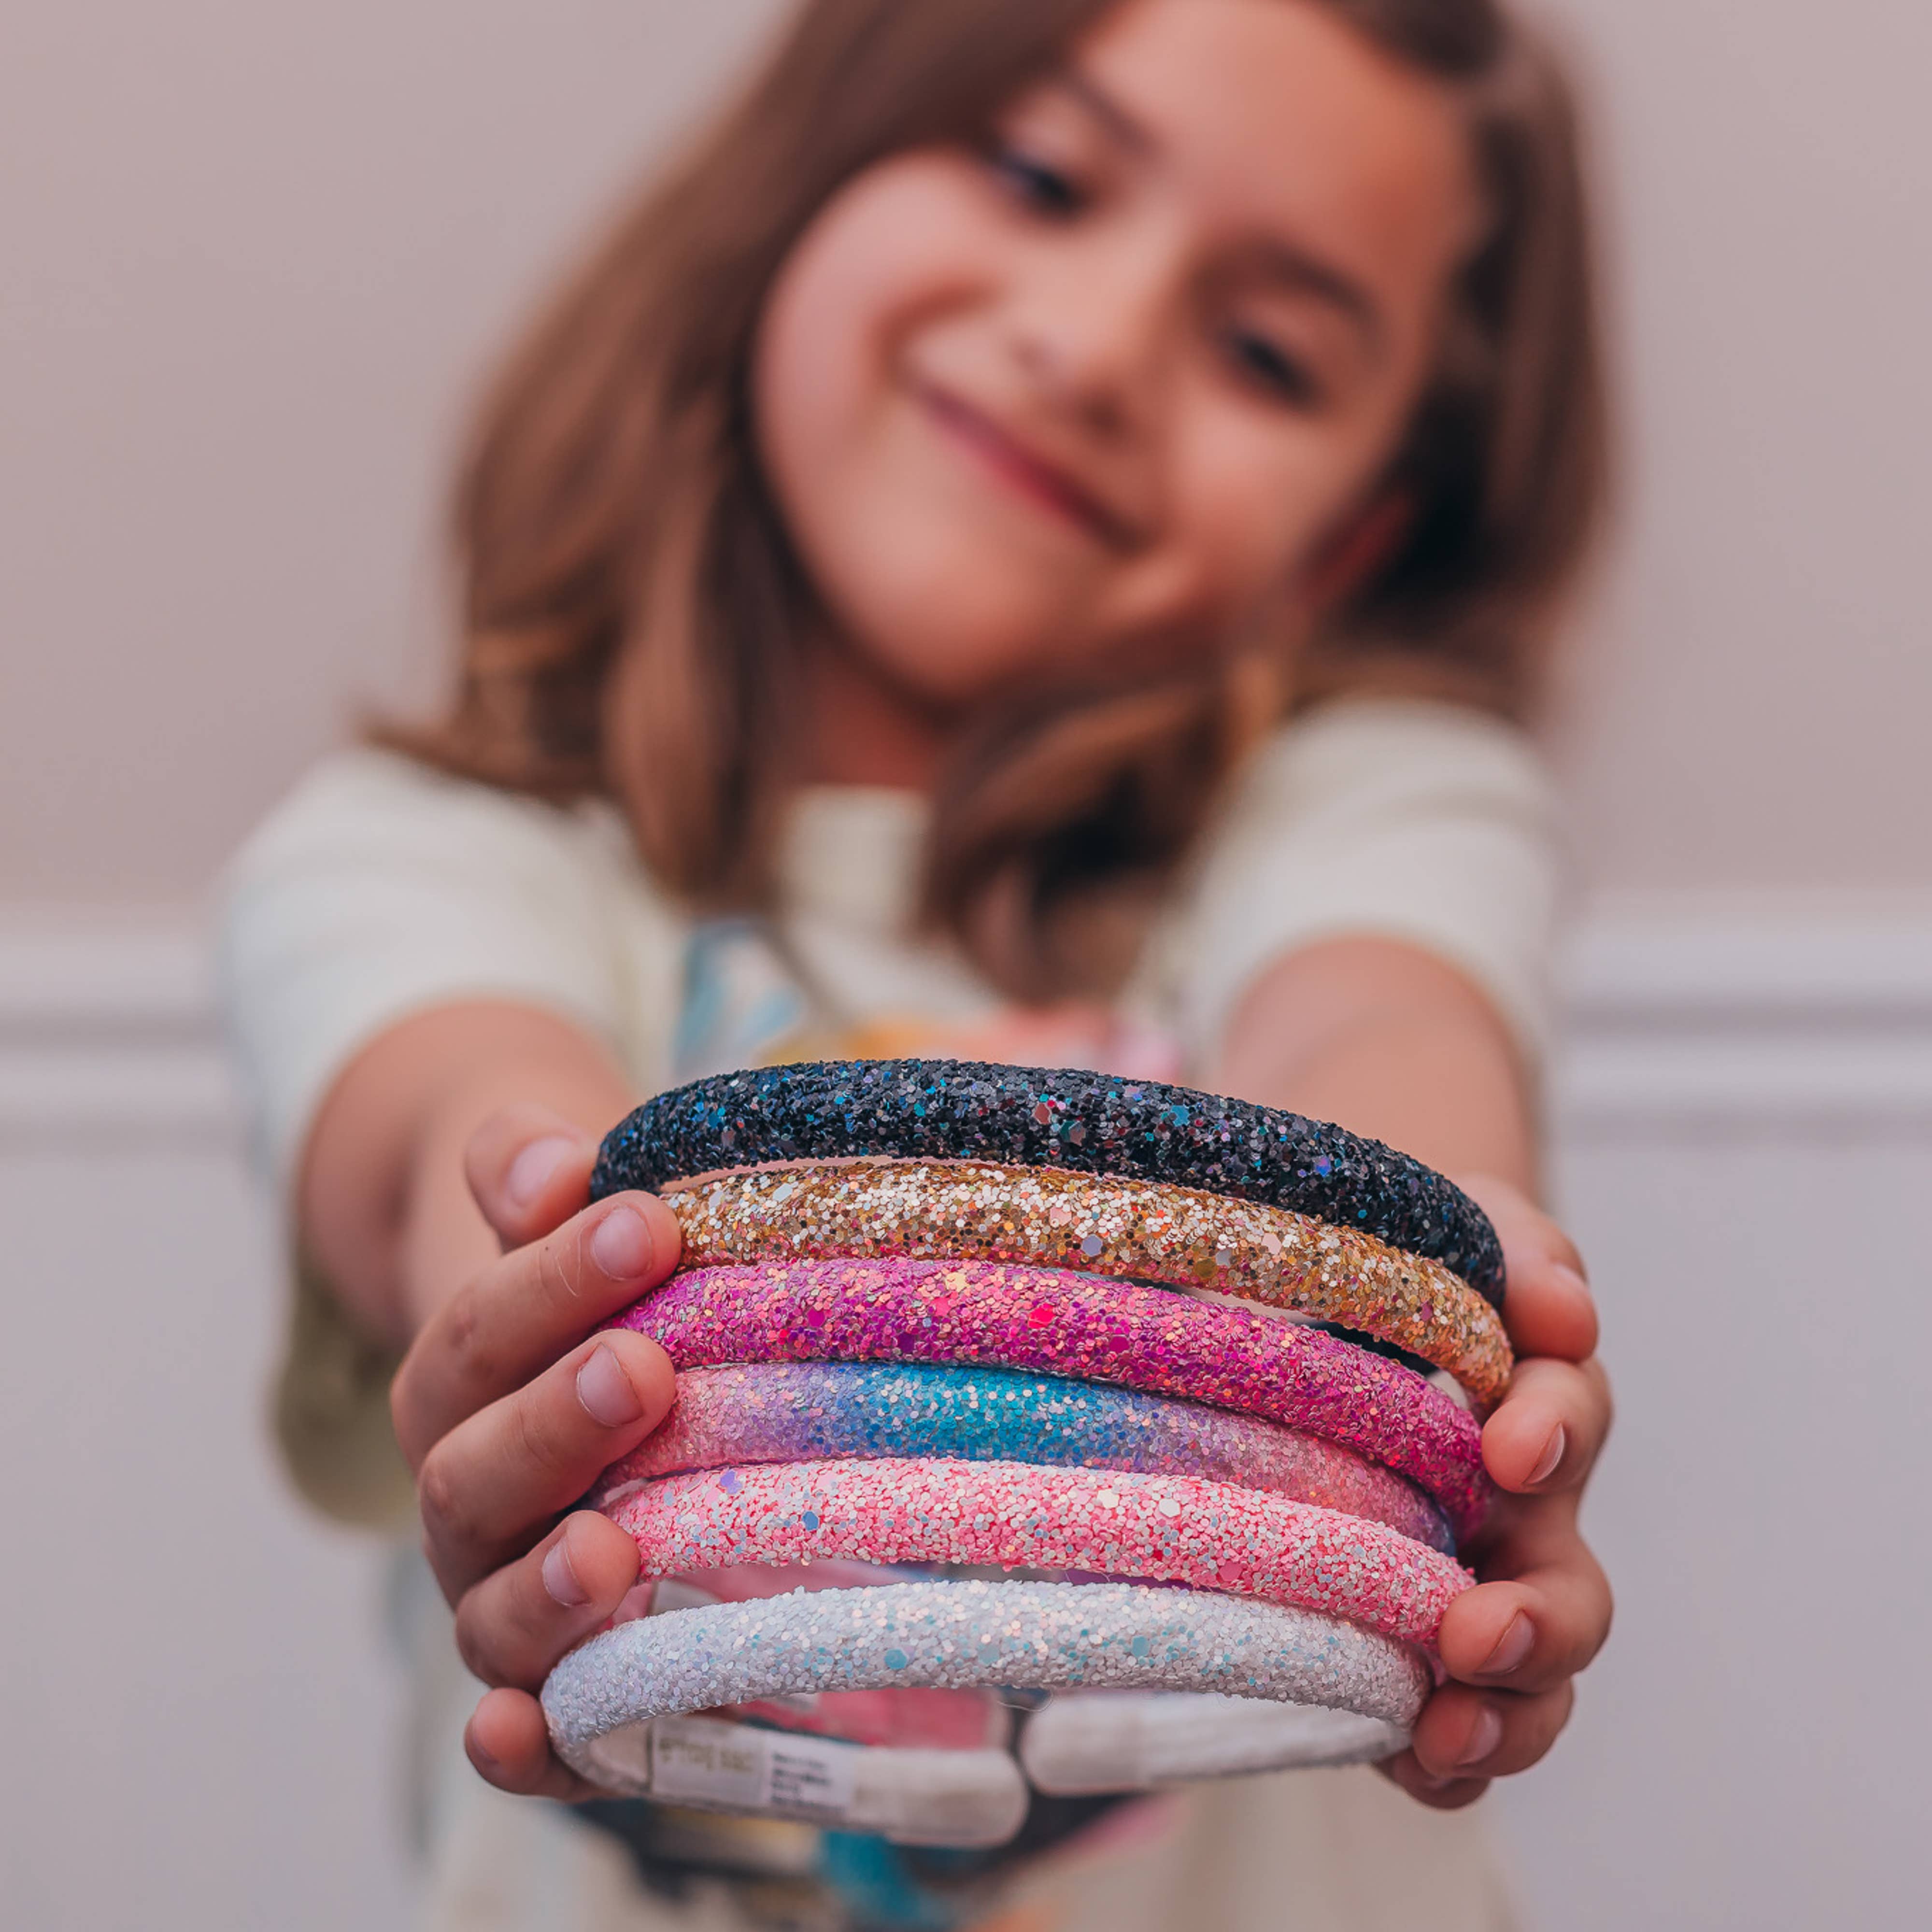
point(1783, 1014)
point(108, 1032)
point(1787, 1017)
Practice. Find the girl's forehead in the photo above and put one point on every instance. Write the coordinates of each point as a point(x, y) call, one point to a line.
point(1277, 120)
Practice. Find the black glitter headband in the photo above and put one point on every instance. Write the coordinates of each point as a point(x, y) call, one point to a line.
point(1029, 1116)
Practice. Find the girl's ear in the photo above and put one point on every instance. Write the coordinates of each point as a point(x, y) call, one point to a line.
point(1357, 550)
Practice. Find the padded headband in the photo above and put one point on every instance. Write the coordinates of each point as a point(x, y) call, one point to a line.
point(1066, 1118)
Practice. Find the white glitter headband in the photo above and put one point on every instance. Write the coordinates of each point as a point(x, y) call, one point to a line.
point(961, 1636)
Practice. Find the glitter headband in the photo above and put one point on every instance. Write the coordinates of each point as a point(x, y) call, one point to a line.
point(962, 1635)
point(1047, 1322)
point(804, 1412)
point(1097, 1224)
point(1089, 1123)
point(1177, 1529)
point(1082, 1743)
point(931, 1767)
point(949, 1721)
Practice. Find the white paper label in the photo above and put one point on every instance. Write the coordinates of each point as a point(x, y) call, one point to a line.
point(720, 1764)
point(807, 1776)
point(702, 1761)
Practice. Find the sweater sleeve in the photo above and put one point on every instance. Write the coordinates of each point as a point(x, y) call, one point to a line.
point(378, 889)
point(1401, 819)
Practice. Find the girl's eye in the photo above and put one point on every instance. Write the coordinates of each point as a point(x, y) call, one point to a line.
point(1038, 186)
point(1267, 363)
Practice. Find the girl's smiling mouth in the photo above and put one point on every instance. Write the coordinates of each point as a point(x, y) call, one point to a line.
point(1032, 476)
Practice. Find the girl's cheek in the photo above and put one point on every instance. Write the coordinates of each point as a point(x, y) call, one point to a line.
point(1260, 496)
point(1250, 530)
point(891, 257)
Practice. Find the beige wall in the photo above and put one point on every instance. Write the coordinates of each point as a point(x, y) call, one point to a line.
point(254, 257)
point(1754, 712)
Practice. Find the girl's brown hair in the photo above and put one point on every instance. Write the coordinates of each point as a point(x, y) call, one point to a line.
point(629, 595)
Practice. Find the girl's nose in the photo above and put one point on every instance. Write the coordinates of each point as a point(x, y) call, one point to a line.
point(1090, 330)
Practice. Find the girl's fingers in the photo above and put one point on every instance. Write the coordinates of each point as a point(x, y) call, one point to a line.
point(529, 1170)
point(1543, 1611)
point(1512, 1645)
point(509, 1746)
point(1438, 1794)
point(1544, 1437)
point(515, 1624)
point(1548, 1309)
point(497, 1480)
point(1465, 1734)
point(519, 1313)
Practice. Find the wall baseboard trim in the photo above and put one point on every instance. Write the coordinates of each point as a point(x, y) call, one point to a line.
point(108, 1033)
point(1793, 1018)
point(1783, 1020)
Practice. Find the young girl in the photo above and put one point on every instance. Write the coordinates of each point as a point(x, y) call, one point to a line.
point(1026, 545)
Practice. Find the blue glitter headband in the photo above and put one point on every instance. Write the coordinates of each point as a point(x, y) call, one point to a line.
point(805, 1411)
point(1091, 1123)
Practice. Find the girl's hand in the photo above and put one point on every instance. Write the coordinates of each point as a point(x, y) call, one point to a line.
point(1541, 1609)
point(509, 1406)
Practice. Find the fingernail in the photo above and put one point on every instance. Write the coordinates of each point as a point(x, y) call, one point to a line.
point(532, 1170)
point(1560, 1271)
point(560, 1579)
point(1552, 1454)
point(605, 1391)
point(622, 1245)
point(1485, 1734)
point(1512, 1647)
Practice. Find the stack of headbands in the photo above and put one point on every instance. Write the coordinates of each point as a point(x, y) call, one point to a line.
point(1104, 1411)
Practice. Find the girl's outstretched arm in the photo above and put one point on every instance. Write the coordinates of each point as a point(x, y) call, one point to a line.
point(1390, 1042)
point(383, 1209)
point(443, 1194)
point(447, 1206)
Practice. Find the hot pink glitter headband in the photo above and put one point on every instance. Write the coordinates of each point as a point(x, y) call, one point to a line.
point(1064, 1324)
point(1104, 1224)
point(1173, 1529)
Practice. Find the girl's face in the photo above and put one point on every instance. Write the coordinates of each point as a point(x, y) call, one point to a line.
point(1124, 382)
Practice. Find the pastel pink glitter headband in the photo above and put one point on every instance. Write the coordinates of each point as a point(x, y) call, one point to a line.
point(1178, 1529)
point(1102, 1224)
point(1057, 1324)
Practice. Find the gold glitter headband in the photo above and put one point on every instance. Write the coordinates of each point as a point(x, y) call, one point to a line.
point(1102, 1224)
